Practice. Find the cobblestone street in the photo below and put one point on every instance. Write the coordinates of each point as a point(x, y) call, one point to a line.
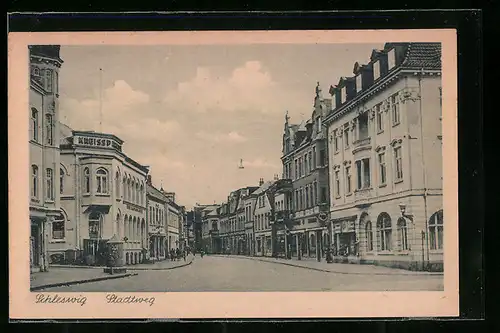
point(223, 273)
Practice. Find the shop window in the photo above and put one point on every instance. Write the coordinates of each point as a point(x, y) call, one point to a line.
point(102, 181)
point(58, 227)
point(384, 232)
point(402, 234)
point(436, 231)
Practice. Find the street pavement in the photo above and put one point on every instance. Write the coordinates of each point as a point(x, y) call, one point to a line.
point(220, 273)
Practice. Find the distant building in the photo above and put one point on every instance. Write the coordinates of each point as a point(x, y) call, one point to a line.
point(305, 162)
point(262, 220)
point(175, 219)
point(157, 221)
point(386, 159)
point(103, 193)
point(45, 213)
point(210, 229)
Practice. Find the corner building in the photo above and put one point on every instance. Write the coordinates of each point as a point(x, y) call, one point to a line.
point(385, 159)
point(103, 193)
point(45, 63)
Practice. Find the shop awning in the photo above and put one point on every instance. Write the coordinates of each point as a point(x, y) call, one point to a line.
point(103, 209)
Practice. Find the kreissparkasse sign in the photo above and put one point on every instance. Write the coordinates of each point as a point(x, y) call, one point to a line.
point(91, 141)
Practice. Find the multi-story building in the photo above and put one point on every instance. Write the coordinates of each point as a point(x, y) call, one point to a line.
point(305, 162)
point(103, 194)
point(175, 218)
point(385, 159)
point(280, 195)
point(45, 214)
point(156, 203)
point(262, 220)
point(182, 228)
point(210, 230)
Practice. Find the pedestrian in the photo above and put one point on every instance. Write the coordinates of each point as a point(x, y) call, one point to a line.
point(184, 254)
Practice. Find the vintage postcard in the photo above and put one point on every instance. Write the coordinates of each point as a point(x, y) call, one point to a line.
point(269, 174)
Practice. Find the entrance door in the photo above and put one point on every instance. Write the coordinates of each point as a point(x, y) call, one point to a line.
point(347, 243)
point(35, 246)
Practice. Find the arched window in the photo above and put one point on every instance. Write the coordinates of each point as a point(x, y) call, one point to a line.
point(384, 232)
point(86, 180)
point(34, 124)
point(49, 125)
point(436, 231)
point(402, 234)
point(50, 184)
point(313, 242)
point(95, 225)
point(102, 181)
point(34, 181)
point(117, 184)
point(118, 226)
point(136, 193)
point(61, 180)
point(142, 194)
point(369, 236)
point(58, 227)
point(129, 190)
point(125, 196)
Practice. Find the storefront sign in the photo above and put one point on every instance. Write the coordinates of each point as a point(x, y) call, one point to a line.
point(96, 142)
point(343, 227)
point(134, 208)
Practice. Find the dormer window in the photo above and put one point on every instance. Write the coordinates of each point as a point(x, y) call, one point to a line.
point(343, 95)
point(376, 70)
point(36, 71)
point(391, 59)
point(334, 101)
point(358, 83)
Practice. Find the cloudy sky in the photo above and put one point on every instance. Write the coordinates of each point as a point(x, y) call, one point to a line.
point(192, 112)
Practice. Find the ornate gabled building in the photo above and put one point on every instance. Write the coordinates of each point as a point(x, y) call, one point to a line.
point(45, 212)
point(385, 159)
point(305, 163)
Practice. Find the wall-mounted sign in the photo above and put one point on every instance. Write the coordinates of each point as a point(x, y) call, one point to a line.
point(134, 208)
point(323, 216)
point(96, 142)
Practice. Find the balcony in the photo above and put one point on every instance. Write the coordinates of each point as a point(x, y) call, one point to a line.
point(363, 196)
point(361, 144)
point(214, 232)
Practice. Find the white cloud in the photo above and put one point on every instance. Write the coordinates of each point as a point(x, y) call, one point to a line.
point(248, 88)
point(232, 137)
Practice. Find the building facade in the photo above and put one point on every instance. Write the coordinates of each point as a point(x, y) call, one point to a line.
point(305, 163)
point(103, 193)
point(262, 220)
point(385, 156)
point(45, 63)
point(175, 219)
point(211, 242)
point(156, 222)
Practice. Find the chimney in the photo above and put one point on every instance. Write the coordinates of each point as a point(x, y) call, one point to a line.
point(150, 181)
point(261, 181)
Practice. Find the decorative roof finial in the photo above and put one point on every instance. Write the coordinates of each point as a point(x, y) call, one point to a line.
point(287, 118)
point(318, 88)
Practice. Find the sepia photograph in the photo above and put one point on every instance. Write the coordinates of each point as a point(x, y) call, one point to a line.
point(235, 167)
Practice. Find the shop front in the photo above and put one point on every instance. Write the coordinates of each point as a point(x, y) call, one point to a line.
point(345, 240)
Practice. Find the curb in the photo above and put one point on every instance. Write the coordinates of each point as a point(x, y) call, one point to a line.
point(160, 269)
point(69, 283)
point(330, 271)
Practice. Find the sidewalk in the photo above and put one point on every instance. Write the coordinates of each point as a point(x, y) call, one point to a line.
point(159, 265)
point(323, 266)
point(57, 276)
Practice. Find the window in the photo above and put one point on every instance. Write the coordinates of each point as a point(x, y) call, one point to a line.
point(58, 227)
point(34, 181)
point(307, 196)
point(380, 118)
point(343, 95)
point(50, 132)
point(117, 185)
point(48, 80)
point(391, 58)
point(36, 71)
point(376, 70)
point(337, 183)
point(129, 191)
point(362, 130)
point(436, 231)
point(369, 236)
point(61, 181)
point(95, 225)
point(334, 101)
point(86, 180)
point(141, 194)
point(315, 193)
point(399, 163)
point(34, 124)
point(363, 173)
point(102, 181)
point(50, 184)
point(314, 157)
point(382, 168)
point(402, 234)
point(395, 110)
point(335, 141)
point(56, 82)
point(348, 179)
point(301, 199)
point(358, 83)
point(310, 162)
point(346, 137)
point(296, 169)
point(324, 195)
point(322, 157)
point(384, 229)
point(306, 164)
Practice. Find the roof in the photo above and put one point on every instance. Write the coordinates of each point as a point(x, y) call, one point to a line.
point(154, 192)
point(423, 55)
point(263, 187)
point(65, 133)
